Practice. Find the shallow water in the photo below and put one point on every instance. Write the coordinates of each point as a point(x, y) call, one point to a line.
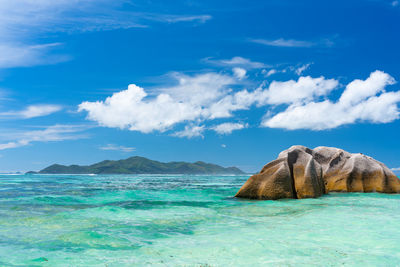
point(181, 220)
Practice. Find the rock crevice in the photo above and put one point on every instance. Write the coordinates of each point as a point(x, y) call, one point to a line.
point(300, 172)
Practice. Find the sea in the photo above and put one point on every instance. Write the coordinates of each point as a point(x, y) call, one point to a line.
point(187, 220)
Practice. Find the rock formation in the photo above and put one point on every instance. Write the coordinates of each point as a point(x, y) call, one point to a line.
point(300, 172)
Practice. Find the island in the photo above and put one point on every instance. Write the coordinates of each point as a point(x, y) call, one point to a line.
point(140, 165)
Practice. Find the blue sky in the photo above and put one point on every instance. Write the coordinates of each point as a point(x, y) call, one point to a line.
point(232, 83)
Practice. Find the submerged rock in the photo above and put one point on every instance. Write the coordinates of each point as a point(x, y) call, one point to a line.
point(300, 172)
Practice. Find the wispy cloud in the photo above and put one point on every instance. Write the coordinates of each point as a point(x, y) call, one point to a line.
point(395, 3)
point(53, 133)
point(395, 169)
point(4, 94)
point(79, 15)
point(324, 42)
point(117, 148)
point(23, 21)
point(32, 111)
point(22, 55)
point(191, 131)
point(298, 69)
point(236, 62)
point(179, 18)
point(284, 42)
point(228, 127)
point(270, 72)
point(302, 68)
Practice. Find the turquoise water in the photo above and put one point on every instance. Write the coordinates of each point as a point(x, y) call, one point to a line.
point(180, 220)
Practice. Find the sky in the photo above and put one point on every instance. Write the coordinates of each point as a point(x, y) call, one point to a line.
point(227, 82)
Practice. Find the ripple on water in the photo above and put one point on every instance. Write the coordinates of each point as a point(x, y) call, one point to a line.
point(181, 220)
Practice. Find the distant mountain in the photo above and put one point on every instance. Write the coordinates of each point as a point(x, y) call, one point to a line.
point(140, 165)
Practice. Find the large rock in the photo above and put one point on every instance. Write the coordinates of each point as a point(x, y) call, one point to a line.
point(300, 172)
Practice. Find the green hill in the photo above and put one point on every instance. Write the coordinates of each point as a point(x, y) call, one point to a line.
point(140, 165)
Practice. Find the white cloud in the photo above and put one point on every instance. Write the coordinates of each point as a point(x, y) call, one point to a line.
point(19, 55)
point(22, 21)
point(239, 73)
point(200, 97)
point(208, 96)
point(33, 111)
point(270, 72)
point(395, 3)
point(223, 145)
point(241, 62)
point(191, 131)
point(117, 148)
point(79, 15)
point(200, 89)
point(395, 169)
point(364, 101)
point(3, 94)
point(284, 42)
point(288, 92)
point(132, 109)
point(302, 68)
point(297, 69)
point(304, 89)
point(39, 110)
point(321, 42)
point(228, 127)
point(359, 90)
point(12, 145)
point(180, 18)
point(52, 133)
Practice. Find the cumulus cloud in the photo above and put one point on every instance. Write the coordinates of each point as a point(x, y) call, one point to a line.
point(364, 101)
point(132, 109)
point(49, 134)
point(117, 148)
point(304, 89)
point(209, 96)
point(33, 111)
point(358, 90)
point(228, 127)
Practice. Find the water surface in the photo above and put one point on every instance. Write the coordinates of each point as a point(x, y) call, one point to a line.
point(181, 220)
